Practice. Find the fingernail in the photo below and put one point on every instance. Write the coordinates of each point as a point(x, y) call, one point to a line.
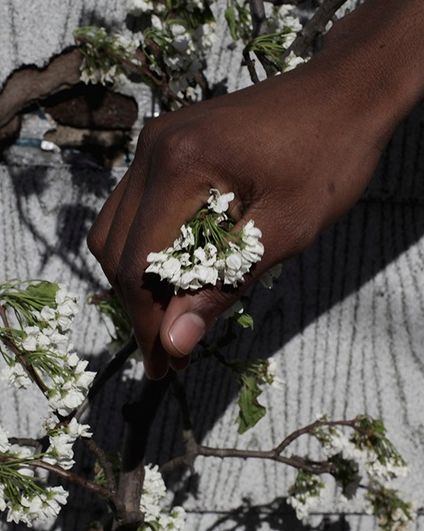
point(186, 331)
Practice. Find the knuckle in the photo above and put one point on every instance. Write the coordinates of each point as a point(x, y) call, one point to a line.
point(212, 303)
point(96, 241)
point(148, 134)
point(178, 149)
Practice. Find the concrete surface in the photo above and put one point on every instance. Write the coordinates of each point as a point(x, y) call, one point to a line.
point(344, 323)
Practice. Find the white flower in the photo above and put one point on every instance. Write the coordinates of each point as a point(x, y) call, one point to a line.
point(62, 440)
point(178, 516)
point(16, 375)
point(225, 260)
point(170, 268)
point(154, 491)
point(60, 450)
point(137, 7)
point(272, 374)
point(186, 238)
point(292, 61)
point(47, 313)
point(219, 202)
point(2, 499)
point(75, 429)
point(4, 440)
point(153, 495)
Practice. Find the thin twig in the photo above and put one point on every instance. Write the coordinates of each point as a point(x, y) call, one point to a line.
point(193, 449)
point(105, 463)
point(315, 467)
point(313, 27)
point(26, 441)
point(114, 365)
point(20, 357)
point(250, 63)
point(139, 417)
point(309, 429)
point(66, 474)
point(259, 27)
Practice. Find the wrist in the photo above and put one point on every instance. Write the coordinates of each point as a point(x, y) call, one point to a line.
point(375, 56)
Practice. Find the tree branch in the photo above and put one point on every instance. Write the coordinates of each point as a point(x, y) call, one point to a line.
point(313, 27)
point(32, 373)
point(310, 428)
point(105, 463)
point(102, 377)
point(257, 11)
point(193, 449)
point(139, 417)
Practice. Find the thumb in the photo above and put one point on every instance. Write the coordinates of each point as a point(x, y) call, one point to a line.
point(190, 315)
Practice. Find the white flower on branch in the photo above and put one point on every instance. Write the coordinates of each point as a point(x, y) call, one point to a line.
point(137, 7)
point(16, 375)
point(39, 508)
point(152, 499)
point(44, 344)
point(305, 494)
point(62, 439)
point(4, 440)
point(219, 202)
point(292, 61)
point(206, 251)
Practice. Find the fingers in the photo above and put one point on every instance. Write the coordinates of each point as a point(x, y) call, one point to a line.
point(98, 234)
point(167, 203)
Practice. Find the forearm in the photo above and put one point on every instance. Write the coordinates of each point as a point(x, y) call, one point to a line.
point(378, 54)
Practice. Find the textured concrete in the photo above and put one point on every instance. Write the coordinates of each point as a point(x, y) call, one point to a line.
point(344, 323)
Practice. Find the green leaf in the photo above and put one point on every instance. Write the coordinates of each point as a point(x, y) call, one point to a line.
point(245, 320)
point(251, 411)
point(230, 17)
point(43, 291)
point(108, 304)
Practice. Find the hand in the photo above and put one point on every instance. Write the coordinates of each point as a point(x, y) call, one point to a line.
point(295, 151)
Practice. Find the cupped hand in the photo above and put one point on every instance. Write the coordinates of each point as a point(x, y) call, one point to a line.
point(297, 151)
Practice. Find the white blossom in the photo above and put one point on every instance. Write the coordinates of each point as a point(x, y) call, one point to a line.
point(154, 491)
point(62, 439)
point(273, 374)
point(190, 267)
point(219, 202)
point(40, 508)
point(137, 7)
point(16, 375)
point(4, 440)
point(152, 499)
point(292, 61)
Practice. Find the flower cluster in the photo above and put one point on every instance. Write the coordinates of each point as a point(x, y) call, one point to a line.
point(20, 495)
point(368, 446)
point(305, 493)
point(152, 498)
point(106, 56)
point(207, 252)
point(62, 438)
point(38, 347)
point(392, 513)
point(281, 28)
point(172, 46)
